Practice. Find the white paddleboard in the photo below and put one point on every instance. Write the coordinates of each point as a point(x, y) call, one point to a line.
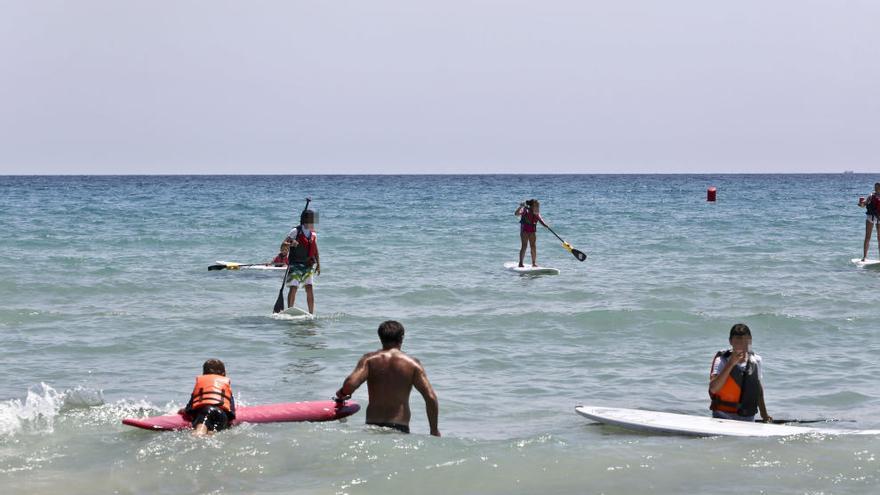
point(530, 270)
point(701, 426)
point(232, 265)
point(295, 313)
point(866, 264)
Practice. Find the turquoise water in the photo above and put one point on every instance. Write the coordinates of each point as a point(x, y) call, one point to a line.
point(107, 310)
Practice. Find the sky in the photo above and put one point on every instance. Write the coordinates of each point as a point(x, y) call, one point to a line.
point(476, 86)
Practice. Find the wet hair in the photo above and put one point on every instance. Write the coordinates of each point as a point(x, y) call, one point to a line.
point(214, 367)
point(308, 216)
point(391, 333)
point(876, 185)
point(284, 247)
point(532, 203)
point(739, 330)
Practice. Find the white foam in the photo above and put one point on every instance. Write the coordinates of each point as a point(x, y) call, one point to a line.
point(36, 412)
point(42, 405)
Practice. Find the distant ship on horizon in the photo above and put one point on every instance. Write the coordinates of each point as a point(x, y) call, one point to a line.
point(847, 172)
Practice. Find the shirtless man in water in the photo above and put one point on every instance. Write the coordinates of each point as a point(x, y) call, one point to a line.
point(390, 375)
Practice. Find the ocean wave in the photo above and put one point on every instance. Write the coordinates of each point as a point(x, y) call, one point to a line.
point(37, 412)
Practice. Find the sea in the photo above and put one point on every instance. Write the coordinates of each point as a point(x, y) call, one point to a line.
point(108, 310)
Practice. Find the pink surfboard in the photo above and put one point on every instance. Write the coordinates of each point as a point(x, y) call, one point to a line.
point(319, 410)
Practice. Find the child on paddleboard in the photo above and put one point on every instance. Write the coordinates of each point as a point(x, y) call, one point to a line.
point(529, 213)
point(211, 405)
point(872, 204)
point(304, 260)
point(735, 379)
point(282, 258)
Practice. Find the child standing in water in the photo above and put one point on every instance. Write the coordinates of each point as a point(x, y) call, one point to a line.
point(735, 379)
point(529, 214)
point(872, 204)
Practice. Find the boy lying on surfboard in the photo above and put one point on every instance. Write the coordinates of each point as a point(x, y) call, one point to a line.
point(211, 405)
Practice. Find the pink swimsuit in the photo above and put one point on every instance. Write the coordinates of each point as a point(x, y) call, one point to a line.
point(529, 222)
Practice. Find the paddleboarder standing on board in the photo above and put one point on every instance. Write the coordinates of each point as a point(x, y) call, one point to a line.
point(303, 258)
point(735, 379)
point(529, 213)
point(872, 203)
point(391, 375)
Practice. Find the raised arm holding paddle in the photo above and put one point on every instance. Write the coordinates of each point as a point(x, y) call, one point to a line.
point(529, 213)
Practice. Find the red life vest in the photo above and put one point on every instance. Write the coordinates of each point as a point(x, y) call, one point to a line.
point(529, 220)
point(873, 206)
point(306, 250)
point(212, 390)
point(280, 260)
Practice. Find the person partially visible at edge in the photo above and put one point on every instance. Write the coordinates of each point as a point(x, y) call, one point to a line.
point(872, 204)
point(303, 258)
point(281, 258)
point(211, 405)
point(390, 375)
point(529, 214)
point(735, 382)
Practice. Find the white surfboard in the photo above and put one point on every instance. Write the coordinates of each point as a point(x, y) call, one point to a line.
point(866, 264)
point(530, 270)
point(295, 313)
point(700, 426)
point(232, 265)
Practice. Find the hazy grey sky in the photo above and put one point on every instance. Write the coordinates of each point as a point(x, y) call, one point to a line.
point(381, 86)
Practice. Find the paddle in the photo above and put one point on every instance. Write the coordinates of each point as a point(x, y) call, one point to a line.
point(580, 255)
point(234, 266)
point(784, 421)
point(279, 303)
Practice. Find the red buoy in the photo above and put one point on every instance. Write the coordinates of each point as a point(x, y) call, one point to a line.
point(710, 194)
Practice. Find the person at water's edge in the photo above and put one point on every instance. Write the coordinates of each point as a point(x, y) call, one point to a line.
point(390, 375)
point(735, 379)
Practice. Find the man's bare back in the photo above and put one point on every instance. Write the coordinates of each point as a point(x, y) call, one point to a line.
point(390, 378)
point(390, 375)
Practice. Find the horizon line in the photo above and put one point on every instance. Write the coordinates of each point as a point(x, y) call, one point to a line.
point(199, 174)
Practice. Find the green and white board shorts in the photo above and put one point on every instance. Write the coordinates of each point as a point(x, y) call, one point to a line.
point(301, 274)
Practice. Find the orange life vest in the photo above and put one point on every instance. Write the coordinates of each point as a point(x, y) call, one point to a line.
point(212, 390)
point(740, 393)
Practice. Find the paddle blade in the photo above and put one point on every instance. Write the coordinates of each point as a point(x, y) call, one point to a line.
point(786, 421)
point(216, 267)
point(580, 255)
point(279, 303)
